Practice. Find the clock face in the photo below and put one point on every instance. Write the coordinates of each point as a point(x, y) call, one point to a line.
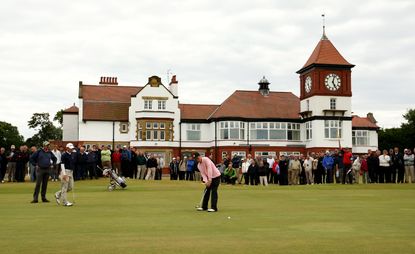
point(308, 84)
point(332, 82)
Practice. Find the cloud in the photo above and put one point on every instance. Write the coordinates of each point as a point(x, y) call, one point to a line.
point(214, 47)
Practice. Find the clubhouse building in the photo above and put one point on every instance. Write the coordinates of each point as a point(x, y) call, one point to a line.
point(257, 122)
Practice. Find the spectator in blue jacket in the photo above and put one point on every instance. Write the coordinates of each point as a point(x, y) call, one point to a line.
point(189, 169)
point(328, 163)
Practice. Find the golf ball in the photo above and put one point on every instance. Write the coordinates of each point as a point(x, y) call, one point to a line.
point(229, 217)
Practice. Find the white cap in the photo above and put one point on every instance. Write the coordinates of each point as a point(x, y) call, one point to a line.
point(69, 145)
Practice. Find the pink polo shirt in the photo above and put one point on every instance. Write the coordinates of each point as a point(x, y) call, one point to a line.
point(207, 169)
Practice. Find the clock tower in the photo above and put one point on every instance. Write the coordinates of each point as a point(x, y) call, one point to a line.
point(325, 94)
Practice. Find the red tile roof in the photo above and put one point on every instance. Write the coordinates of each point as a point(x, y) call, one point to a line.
point(363, 122)
point(106, 103)
point(253, 105)
point(196, 111)
point(108, 93)
point(326, 53)
point(71, 110)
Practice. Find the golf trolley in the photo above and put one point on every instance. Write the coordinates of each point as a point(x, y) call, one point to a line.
point(115, 180)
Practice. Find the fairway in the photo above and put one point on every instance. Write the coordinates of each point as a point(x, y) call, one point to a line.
point(159, 217)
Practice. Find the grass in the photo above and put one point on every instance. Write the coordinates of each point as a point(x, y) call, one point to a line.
point(159, 217)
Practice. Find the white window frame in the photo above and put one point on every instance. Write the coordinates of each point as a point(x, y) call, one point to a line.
point(161, 104)
point(193, 129)
point(329, 126)
point(309, 130)
point(228, 127)
point(360, 135)
point(148, 104)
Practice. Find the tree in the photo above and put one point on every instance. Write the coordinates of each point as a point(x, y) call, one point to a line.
point(403, 137)
point(59, 117)
point(45, 129)
point(408, 128)
point(9, 135)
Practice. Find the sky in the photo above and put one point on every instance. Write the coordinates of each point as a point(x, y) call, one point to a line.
point(214, 47)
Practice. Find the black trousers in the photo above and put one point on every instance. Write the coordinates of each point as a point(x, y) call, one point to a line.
point(246, 177)
point(401, 174)
point(42, 177)
point(213, 188)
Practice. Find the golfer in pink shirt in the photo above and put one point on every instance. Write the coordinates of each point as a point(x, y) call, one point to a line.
point(211, 178)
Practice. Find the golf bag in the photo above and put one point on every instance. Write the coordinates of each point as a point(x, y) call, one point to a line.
point(115, 180)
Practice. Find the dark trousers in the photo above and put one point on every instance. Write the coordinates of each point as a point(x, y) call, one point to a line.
point(181, 175)
point(347, 174)
point(393, 174)
point(20, 171)
point(125, 168)
point(91, 170)
point(329, 174)
point(253, 179)
point(189, 175)
point(401, 174)
point(284, 177)
point(381, 174)
point(246, 177)
point(80, 172)
point(214, 189)
point(42, 177)
point(230, 180)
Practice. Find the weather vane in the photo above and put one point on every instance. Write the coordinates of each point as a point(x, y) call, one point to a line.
point(324, 37)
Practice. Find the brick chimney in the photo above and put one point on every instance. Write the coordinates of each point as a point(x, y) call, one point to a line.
point(371, 117)
point(108, 81)
point(174, 86)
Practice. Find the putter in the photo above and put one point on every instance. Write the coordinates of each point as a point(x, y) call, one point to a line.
point(201, 200)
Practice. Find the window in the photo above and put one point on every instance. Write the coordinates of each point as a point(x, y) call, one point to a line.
point(193, 132)
point(265, 154)
point(293, 131)
point(232, 130)
point(123, 127)
point(161, 105)
point(240, 154)
point(275, 131)
point(148, 130)
point(360, 138)
point(309, 130)
point(148, 104)
point(333, 103)
point(290, 153)
point(332, 129)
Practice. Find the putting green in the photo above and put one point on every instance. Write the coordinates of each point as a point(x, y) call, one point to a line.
point(159, 217)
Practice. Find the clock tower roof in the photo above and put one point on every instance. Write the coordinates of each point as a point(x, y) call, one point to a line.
point(325, 54)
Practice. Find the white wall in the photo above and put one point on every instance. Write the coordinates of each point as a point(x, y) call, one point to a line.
point(70, 127)
point(319, 139)
point(206, 132)
point(373, 143)
point(319, 103)
point(137, 110)
point(101, 131)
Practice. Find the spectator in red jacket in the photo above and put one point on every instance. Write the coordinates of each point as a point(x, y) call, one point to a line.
point(116, 160)
point(364, 170)
point(347, 162)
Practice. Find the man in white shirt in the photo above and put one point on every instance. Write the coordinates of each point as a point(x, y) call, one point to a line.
point(56, 167)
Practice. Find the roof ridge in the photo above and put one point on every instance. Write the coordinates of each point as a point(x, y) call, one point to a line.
point(113, 86)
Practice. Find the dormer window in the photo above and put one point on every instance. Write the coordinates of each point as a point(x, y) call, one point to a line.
point(148, 104)
point(161, 105)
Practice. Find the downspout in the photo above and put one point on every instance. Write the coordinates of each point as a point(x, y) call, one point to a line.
point(180, 139)
point(113, 135)
point(216, 142)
